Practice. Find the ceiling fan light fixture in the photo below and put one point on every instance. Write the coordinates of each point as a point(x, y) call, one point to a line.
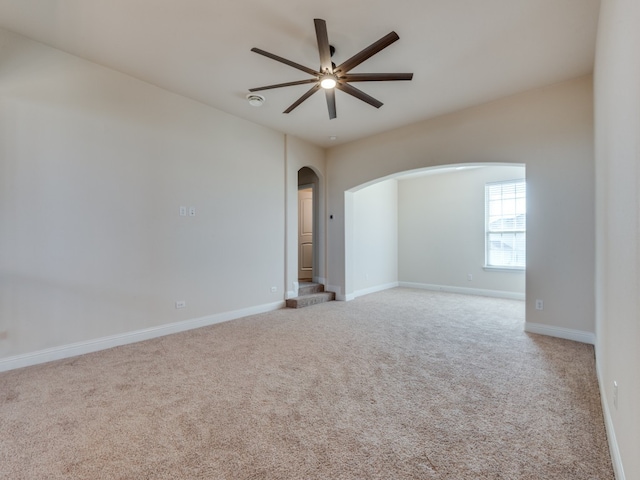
point(328, 81)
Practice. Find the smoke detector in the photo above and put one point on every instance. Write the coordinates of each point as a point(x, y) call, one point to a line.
point(255, 100)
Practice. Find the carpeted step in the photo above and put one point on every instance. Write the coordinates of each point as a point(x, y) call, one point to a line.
point(307, 288)
point(310, 293)
point(310, 299)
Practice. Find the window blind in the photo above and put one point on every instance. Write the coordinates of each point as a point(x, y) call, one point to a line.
point(506, 224)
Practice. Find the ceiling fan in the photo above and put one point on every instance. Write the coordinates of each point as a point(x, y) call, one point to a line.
point(329, 76)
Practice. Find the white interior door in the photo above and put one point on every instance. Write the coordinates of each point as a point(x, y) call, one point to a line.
point(305, 234)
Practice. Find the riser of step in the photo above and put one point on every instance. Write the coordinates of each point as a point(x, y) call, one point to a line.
point(310, 288)
point(310, 299)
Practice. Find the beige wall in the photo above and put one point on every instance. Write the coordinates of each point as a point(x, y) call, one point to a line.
point(300, 154)
point(441, 219)
point(375, 236)
point(550, 130)
point(617, 122)
point(94, 166)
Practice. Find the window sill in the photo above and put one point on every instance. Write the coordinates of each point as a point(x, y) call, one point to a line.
point(490, 268)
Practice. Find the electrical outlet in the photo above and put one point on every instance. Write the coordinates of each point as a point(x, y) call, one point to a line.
point(470, 277)
point(181, 304)
point(539, 305)
point(615, 394)
point(192, 211)
point(183, 211)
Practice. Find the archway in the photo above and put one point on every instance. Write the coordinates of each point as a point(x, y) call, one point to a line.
point(426, 229)
point(308, 223)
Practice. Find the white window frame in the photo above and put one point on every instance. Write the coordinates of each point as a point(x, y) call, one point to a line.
point(515, 207)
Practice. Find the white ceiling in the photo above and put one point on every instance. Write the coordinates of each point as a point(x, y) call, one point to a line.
point(462, 52)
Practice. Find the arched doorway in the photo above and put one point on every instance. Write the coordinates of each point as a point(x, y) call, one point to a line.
point(440, 238)
point(307, 224)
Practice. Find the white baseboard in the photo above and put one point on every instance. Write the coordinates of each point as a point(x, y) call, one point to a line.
point(560, 332)
point(81, 348)
point(338, 291)
point(377, 288)
point(345, 298)
point(614, 451)
point(464, 290)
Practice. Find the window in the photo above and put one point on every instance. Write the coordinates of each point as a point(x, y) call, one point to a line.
point(506, 224)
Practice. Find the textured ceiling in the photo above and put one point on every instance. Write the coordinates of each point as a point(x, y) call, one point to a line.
point(462, 52)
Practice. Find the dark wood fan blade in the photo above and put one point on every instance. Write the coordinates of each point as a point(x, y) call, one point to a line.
point(313, 90)
point(323, 44)
point(351, 90)
point(375, 77)
point(368, 52)
point(288, 84)
point(331, 102)
point(285, 61)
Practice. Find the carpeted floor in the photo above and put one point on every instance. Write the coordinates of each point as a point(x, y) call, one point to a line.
point(401, 384)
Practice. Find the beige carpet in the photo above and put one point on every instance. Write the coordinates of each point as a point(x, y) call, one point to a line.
point(402, 384)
